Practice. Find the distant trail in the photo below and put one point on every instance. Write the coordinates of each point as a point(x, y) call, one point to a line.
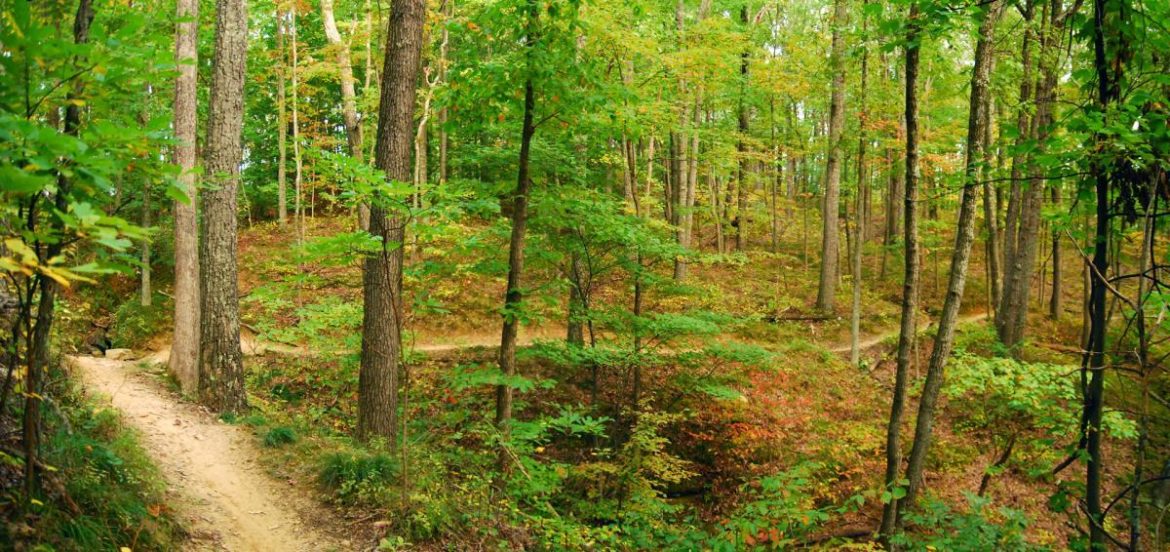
point(214, 479)
point(252, 344)
point(876, 339)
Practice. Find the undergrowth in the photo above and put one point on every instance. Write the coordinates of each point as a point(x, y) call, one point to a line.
point(100, 490)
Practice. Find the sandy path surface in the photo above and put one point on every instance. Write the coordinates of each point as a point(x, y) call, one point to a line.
point(214, 479)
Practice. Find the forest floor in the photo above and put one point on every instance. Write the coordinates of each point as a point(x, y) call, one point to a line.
point(217, 484)
point(214, 470)
point(300, 336)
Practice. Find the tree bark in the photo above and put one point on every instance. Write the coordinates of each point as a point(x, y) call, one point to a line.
point(910, 284)
point(448, 12)
point(945, 336)
point(860, 215)
point(298, 166)
point(514, 294)
point(1055, 305)
point(827, 290)
point(38, 330)
point(990, 219)
point(353, 130)
point(353, 127)
point(144, 287)
point(740, 222)
point(282, 125)
point(686, 215)
point(382, 319)
point(1006, 314)
point(221, 382)
point(1093, 363)
point(184, 360)
point(1011, 321)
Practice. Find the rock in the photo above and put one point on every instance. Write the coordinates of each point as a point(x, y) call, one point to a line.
point(119, 354)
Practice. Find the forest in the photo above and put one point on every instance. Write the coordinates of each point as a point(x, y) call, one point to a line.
point(584, 275)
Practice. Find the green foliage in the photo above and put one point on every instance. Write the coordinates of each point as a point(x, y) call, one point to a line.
point(1006, 394)
point(101, 489)
point(778, 512)
point(358, 477)
point(938, 527)
point(279, 436)
point(134, 324)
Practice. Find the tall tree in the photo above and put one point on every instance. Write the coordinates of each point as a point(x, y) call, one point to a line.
point(281, 122)
point(514, 294)
point(1110, 54)
point(910, 281)
point(381, 356)
point(41, 328)
point(964, 237)
point(860, 214)
point(221, 380)
point(448, 13)
point(1011, 318)
point(741, 186)
point(991, 219)
point(353, 130)
point(827, 291)
point(184, 361)
point(349, 113)
point(298, 165)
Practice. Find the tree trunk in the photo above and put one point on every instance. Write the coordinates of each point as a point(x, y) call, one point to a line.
point(1093, 363)
point(860, 214)
point(686, 215)
point(298, 166)
point(144, 287)
point(575, 326)
point(282, 125)
point(777, 164)
point(353, 130)
point(1005, 314)
point(353, 127)
point(827, 291)
point(1011, 321)
point(39, 329)
point(910, 282)
point(740, 222)
point(221, 382)
point(716, 212)
point(1054, 302)
point(448, 12)
point(382, 319)
point(945, 336)
point(514, 294)
point(896, 190)
point(990, 219)
point(184, 361)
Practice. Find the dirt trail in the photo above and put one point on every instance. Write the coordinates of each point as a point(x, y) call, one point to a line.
point(215, 481)
point(874, 340)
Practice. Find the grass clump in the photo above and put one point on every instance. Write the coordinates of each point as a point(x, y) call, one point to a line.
point(357, 477)
point(279, 436)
